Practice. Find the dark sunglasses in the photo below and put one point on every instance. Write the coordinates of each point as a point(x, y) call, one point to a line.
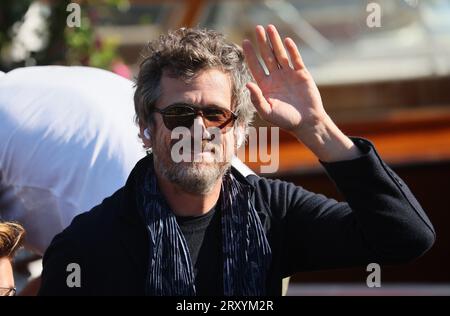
point(182, 114)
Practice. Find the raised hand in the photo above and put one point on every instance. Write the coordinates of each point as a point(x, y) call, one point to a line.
point(288, 96)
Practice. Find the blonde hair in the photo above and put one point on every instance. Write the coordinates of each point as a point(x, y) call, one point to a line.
point(11, 238)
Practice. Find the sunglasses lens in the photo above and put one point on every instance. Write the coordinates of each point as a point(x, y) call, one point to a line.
point(179, 116)
point(218, 118)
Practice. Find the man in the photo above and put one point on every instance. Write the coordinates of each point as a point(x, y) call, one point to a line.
point(195, 227)
point(11, 238)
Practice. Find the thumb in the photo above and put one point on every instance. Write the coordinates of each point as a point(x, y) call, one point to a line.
point(258, 99)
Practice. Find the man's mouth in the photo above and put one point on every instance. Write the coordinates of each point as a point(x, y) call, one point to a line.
point(204, 152)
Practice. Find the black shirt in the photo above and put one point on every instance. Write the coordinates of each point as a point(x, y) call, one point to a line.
point(203, 236)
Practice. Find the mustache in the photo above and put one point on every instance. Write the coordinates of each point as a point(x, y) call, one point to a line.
point(194, 150)
point(203, 145)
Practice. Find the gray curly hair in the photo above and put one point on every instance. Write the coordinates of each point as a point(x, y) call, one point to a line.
point(183, 53)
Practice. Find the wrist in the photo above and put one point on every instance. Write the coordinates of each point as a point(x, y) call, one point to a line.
point(326, 140)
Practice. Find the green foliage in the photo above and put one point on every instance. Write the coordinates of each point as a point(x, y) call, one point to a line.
point(66, 45)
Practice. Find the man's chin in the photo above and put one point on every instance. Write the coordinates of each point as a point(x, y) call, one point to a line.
point(203, 166)
point(197, 177)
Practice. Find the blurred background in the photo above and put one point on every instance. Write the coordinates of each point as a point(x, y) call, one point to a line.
point(390, 84)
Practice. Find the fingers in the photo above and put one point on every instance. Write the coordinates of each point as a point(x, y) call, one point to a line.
point(252, 61)
point(266, 49)
point(296, 58)
point(277, 45)
point(273, 52)
point(258, 100)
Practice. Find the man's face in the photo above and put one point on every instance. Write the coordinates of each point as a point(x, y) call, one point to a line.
point(198, 173)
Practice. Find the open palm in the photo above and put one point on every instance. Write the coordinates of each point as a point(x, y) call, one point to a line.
point(287, 97)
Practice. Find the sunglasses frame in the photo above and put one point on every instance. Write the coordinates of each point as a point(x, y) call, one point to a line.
point(197, 111)
point(9, 291)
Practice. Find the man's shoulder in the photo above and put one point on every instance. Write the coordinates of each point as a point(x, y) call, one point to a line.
point(102, 242)
point(271, 187)
point(89, 227)
point(274, 195)
point(114, 212)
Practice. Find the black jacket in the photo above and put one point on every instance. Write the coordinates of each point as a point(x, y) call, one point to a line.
point(380, 222)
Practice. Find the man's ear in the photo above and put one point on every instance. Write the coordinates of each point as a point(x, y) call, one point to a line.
point(144, 134)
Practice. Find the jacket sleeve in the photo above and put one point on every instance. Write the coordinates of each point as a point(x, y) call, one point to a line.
point(62, 269)
point(380, 220)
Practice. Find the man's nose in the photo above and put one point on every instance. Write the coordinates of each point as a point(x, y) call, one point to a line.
point(198, 128)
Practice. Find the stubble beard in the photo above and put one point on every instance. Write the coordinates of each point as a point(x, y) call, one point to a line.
point(192, 177)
